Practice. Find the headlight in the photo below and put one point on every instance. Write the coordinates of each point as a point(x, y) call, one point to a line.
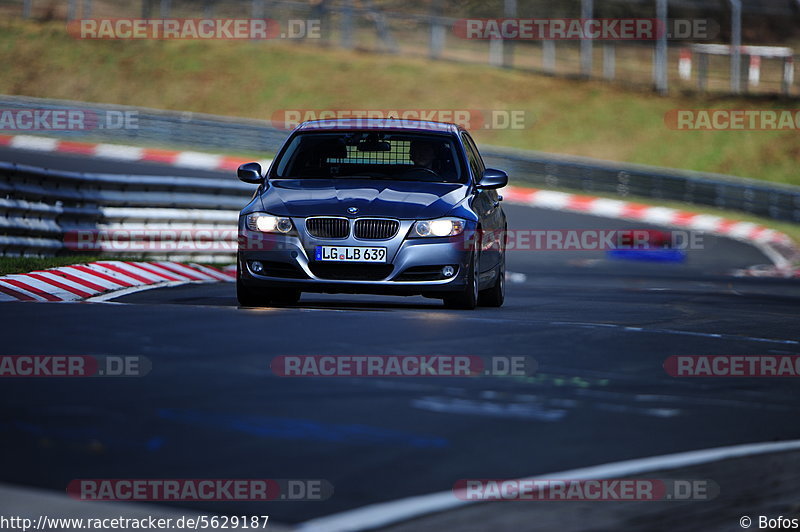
point(266, 223)
point(438, 228)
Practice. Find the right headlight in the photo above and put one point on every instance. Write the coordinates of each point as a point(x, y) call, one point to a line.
point(266, 223)
point(438, 228)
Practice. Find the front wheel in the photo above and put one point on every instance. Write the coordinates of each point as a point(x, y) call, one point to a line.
point(249, 296)
point(496, 295)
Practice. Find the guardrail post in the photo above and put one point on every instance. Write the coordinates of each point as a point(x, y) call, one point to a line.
point(609, 61)
point(587, 12)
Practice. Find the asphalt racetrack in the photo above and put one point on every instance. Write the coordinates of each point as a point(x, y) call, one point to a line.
point(599, 329)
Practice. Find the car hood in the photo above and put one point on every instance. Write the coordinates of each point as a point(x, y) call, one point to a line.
point(333, 197)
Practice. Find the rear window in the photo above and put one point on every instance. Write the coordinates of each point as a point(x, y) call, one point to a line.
point(371, 155)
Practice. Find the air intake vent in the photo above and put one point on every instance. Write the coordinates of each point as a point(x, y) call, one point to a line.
point(376, 229)
point(328, 227)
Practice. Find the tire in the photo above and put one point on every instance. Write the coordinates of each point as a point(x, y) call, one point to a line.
point(280, 297)
point(265, 297)
point(496, 295)
point(467, 299)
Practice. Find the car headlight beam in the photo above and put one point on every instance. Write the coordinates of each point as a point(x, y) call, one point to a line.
point(438, 228)
point(266, 223)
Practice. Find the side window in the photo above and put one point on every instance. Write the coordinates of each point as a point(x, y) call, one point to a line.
point(474, 157)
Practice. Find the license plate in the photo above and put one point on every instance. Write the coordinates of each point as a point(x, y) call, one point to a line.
point(350, 254)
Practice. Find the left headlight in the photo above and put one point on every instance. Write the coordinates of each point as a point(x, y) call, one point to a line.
point(437, 228)
point(266, 223)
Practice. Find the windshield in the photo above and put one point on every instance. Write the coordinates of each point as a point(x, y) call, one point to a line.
point(371, 155)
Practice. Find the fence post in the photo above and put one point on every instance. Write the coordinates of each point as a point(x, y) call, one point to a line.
point(496, 51)
point(347, 25)
point(321, 11)
point(702, 71)
point(26, 8)
point(382, 26)
point(754, 70)
point(609, 61)
point(437, 30)
point(87, 9)
point(72, 9)
point(660, 62)
point(736, 43)
point(508, 46)
point(208, 8)
point(257, 9)
point(587, 12)
point(549, 56)
point(788, 75)
point(166, 7)
point(147, 9)
point(685, 64)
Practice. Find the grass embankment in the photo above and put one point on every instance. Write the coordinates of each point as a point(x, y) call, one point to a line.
point(9, 265)
point(254, 80)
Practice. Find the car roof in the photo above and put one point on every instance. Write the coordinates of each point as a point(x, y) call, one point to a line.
point(381, 124)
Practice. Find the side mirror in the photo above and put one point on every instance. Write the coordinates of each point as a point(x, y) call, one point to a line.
point(250, 173)
point(493, 179)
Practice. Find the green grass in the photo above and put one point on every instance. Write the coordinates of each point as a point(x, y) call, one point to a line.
point(256, 79)
point(9, 265)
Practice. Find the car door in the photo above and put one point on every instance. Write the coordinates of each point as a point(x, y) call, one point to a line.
point(487, 205)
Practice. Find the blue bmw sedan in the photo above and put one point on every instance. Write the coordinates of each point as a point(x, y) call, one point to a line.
point(380, 206)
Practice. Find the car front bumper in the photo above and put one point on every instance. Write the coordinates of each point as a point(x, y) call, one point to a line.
point(288, 261)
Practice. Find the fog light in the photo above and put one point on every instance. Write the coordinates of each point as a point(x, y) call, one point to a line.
point(256, 266)
point(448, 271)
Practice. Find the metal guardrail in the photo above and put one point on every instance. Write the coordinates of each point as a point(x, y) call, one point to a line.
point(155, 126)
point(196, 130)
point(630, 180)
point(46, 212)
